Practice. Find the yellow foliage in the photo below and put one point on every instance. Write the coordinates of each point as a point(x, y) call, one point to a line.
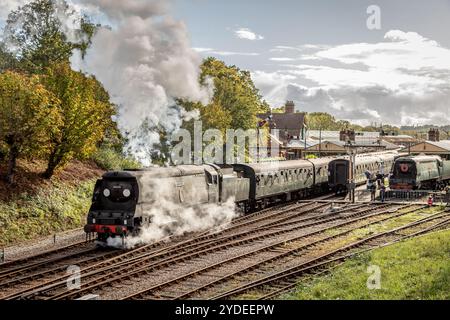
point(29, 114)
point(86, 114)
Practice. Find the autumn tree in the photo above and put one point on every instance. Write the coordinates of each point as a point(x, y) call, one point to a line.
point(278, 110)
point(235, 102)
point(7, 60)
point(29, 117)
point(86, 110)
point(45, 32)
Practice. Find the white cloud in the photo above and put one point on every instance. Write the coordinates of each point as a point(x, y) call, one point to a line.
point(245, 33)
point(281, 59)
point(282, 48)
point(403, 79)
point(203, 49)
point(273, 85)
point(210, 51)
point(232, 53)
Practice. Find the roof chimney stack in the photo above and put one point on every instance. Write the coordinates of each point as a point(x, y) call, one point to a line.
point(289, 107)
point(347, 135)
point(433, 135)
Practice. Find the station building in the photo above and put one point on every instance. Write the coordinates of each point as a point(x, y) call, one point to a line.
point(432, 146)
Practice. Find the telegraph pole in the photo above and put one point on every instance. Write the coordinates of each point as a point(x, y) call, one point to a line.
point(320, 142)
point(352, 170)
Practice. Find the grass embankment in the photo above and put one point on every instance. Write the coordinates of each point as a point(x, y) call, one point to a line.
point(414, 269)
point(34, 207)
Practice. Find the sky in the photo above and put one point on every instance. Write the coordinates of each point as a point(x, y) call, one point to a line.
point(324, 57)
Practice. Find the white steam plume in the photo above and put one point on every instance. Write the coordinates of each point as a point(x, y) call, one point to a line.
point(169, 217)
point(144, 60)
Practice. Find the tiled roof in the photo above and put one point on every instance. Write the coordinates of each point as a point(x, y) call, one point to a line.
point(300, 144)
point(334, 135)
point(292, 122)
point(443, 144)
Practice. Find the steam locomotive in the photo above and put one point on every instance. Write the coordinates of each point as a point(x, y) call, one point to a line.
point(420, 172)
point(122, 200)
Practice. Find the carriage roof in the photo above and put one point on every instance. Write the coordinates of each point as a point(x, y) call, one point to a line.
point(277, 166)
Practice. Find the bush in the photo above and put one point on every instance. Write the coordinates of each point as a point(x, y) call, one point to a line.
point(54, 209)
point(110, 159)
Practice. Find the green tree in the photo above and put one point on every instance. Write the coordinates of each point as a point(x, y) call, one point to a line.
point(236, 100)
point(29, 117)
point(39, 38)
point(7, 60)
point(86, 113)
point(321, 120)
point(278, 110)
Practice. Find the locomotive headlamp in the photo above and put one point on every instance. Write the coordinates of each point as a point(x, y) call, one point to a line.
point(106, 192)
point(126, 193)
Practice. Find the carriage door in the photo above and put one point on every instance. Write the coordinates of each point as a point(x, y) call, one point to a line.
point(341, 173)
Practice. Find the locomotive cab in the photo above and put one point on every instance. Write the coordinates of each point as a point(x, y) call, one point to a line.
point(113, 206)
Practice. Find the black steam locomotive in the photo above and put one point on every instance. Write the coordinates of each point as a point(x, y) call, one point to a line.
point(420, 172)
point(122, 200)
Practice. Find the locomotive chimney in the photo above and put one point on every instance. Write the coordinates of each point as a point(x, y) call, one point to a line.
point(433, 135)
point(289, 107)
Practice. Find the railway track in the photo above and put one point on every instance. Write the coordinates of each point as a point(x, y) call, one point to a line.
point(149, 264)
point(208, 241)
point(25, 271)
point(24, 265)
point(21, 273)
point(276, 233)
point(281, 288)
point(14, 264)
point(284, 280)
point(182, 287)
point(197, 252)
point(55, 261)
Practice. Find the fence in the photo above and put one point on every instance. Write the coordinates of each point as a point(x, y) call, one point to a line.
point(409, 195)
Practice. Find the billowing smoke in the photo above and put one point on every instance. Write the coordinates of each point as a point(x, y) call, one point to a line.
point(170, 217)
point(144, 59)
point(6, 6)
